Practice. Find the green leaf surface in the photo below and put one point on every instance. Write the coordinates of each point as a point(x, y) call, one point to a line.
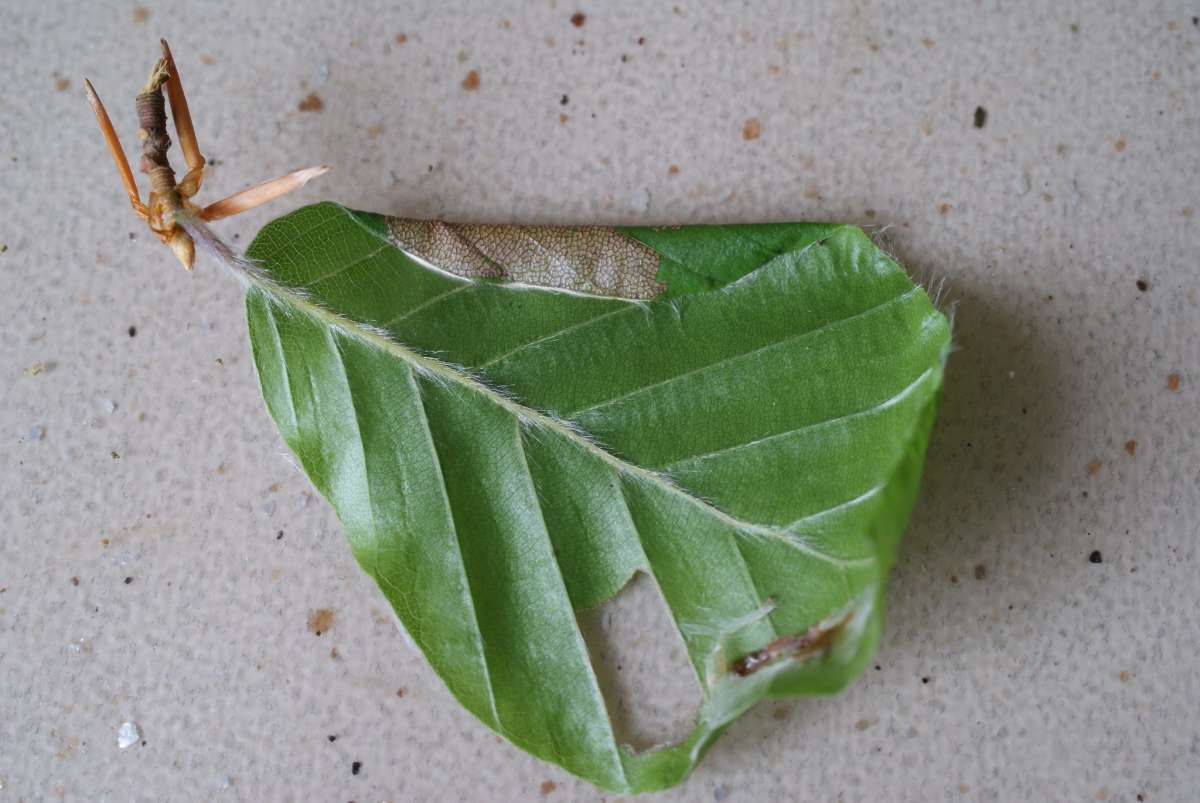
point(502, 456)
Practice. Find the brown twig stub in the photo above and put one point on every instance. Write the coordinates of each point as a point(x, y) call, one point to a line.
point(166, 200)
point(170, 200)
point(152, 131)
point(152, 126)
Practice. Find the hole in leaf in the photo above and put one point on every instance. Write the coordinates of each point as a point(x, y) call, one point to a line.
point(642, 667)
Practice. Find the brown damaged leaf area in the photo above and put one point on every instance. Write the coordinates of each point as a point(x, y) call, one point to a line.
point(587, 259)
point(796, 646)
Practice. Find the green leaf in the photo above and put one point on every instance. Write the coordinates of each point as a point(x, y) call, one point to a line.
point(502, 456)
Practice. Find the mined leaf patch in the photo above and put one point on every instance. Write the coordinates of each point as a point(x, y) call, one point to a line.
point(503, 455)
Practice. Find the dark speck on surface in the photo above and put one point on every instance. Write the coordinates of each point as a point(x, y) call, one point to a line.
point(332, 737)
point(1143, 285)
point(565, 100)
point(279, 535)
point(133, 331)
point(128, 580)
point(578, 19)
point(980, 117)
point(980, 571)
point(1096, 557)
point(355, 767)
point(925, 680)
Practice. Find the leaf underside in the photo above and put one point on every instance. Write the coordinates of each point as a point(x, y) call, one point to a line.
point(502, 455)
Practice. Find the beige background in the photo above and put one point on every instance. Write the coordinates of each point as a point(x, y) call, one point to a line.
point(1049, 677)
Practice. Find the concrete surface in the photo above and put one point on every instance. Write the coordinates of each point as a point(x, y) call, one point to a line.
point(1013, 667)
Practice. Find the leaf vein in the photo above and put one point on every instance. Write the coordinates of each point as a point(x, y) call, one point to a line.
point(740, 355)
point(556, 334)
point(427, 303)
point(342, 268)
point(878, 407)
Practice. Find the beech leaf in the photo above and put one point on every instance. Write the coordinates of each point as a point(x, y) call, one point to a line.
point(739, 412)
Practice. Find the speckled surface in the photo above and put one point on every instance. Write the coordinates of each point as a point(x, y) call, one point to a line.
point(1039, 675)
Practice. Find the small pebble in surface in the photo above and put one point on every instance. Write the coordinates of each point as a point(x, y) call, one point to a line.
point(641, 200)
point(128, 735)
point(720, 792)
point(1096, 557)
point(79, 645)
point(355, 767)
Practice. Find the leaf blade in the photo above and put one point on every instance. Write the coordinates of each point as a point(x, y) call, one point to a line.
point(490, 499)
